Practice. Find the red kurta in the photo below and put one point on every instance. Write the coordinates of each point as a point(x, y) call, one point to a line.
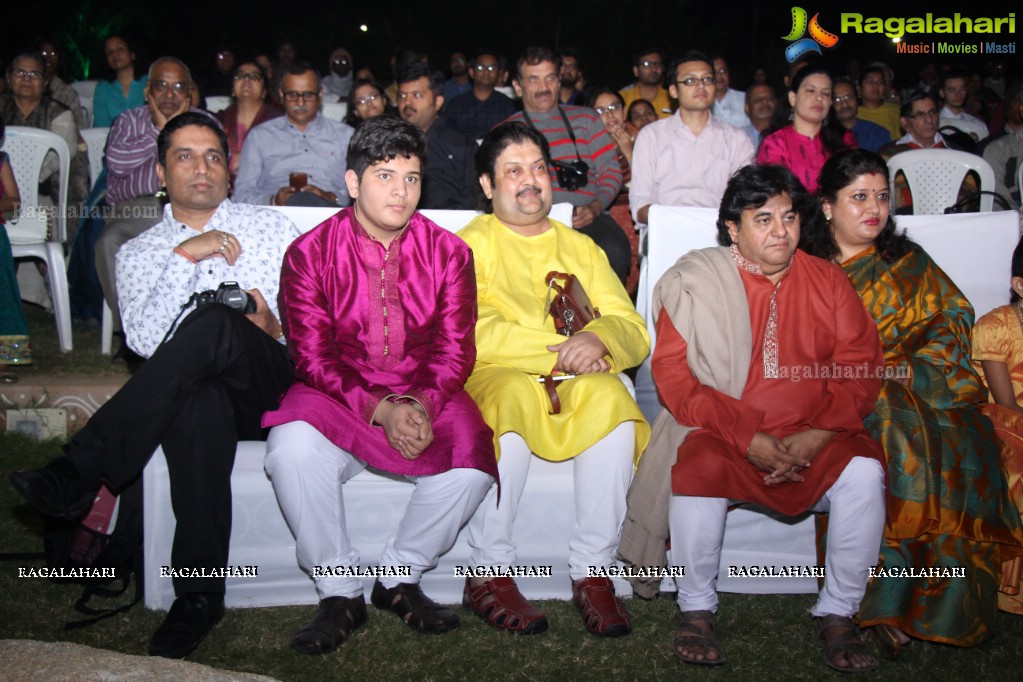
point(822, 330)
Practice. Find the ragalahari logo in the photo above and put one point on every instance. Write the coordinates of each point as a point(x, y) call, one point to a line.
point(818, 36)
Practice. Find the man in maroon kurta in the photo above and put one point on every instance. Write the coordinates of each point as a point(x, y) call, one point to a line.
point(771, 360)
point(379, 308)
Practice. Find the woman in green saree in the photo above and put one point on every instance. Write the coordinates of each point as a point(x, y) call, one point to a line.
point(950, 520)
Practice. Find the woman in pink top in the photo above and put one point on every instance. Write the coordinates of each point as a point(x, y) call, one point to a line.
point(813, 135)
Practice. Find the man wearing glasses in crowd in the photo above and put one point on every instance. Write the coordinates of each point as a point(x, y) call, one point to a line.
point(298, 159)
point(920, 121)
point(686, 160)
point(132, 183)
point(338, 83)
point(648, 69)
point(475, 112)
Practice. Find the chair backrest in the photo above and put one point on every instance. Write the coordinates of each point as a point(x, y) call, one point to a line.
point(672, 232)
point(85, 88)
point(96, 141)
point(968, 127)
point(336, 111)
point(306, 218)
point(935, 175)
point(974, 249)
point(1019, 178)
point(27, 148)
point(86, 106)
point(217, 103)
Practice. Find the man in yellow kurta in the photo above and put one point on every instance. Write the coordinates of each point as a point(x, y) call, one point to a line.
point(600, 426)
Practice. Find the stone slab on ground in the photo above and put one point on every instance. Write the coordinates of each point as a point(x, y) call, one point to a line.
point(79, 395)
point(29, 660)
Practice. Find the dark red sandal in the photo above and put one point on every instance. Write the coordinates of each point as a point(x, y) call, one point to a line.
point(602, 612)
point(499, 603)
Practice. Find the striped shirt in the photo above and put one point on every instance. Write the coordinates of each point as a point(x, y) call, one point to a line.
point(595, 148)
point(131, 156)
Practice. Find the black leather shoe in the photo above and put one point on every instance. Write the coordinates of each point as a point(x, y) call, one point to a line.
point(55, 490)
point(332, 626)
point(190, 619)
point(407, 601)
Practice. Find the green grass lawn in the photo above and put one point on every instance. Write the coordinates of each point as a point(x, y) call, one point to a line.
point(765, 637)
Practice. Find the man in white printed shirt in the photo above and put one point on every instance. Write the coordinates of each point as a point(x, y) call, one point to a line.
point(203, 389)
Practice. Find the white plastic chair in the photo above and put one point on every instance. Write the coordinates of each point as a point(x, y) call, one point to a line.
point(85, 88)
point(672, 232)
point(968, 127)
point(974, 249)
point(335, 111)
point(86, 105)
point(935, 176)
point(217, 103)
point(27, 148)
point(1019, 180)
point(96, 141)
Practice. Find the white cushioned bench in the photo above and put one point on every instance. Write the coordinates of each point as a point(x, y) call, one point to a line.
point(375, 504)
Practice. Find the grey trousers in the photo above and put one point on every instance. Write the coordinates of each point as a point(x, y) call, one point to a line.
point(129, 219)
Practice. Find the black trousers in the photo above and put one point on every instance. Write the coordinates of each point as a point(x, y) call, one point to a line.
point(608, 235)
point(197, 396)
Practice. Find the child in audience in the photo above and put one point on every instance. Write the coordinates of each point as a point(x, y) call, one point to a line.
point(998, 355)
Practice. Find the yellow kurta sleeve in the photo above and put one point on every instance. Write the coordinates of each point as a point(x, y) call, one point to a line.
point(513, 331)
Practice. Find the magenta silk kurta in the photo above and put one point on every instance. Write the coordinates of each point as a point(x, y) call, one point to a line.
point(828, 367)
point(364, 322)
point(804, 156)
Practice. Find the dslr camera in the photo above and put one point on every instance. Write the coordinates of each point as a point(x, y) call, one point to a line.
point(230, 294)
point(572, 175)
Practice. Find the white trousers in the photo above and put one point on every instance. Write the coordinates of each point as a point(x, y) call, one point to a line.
point(856, 505)
point(602, 474)
point(308, 473)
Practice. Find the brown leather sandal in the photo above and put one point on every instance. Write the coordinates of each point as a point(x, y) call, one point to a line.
point(331, 626)
point(603, 613)
point(501, 605)
point(407, 601)
point(846, 641)
point(691, 633)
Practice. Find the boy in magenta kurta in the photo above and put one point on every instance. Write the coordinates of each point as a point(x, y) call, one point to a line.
point(379, 308)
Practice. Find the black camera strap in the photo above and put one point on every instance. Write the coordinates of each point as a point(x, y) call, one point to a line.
point(174, 325)
point(568, 127)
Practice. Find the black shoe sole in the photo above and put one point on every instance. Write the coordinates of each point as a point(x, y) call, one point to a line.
point(44, 506)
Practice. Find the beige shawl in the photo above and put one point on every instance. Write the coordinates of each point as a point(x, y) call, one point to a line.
point(705, 299)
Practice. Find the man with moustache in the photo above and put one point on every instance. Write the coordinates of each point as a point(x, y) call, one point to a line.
point(571, 74)
point(729, 104)
point(303, 142)
point(449, 178)
point(584, 170)
point(686, 160)
point(761, 103)
point(133, 182)
point(735, 426)
point(202, 389)
point(919, 119)
point(869, 136)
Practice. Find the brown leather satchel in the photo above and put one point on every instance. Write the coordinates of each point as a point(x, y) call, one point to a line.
point(571, 309)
